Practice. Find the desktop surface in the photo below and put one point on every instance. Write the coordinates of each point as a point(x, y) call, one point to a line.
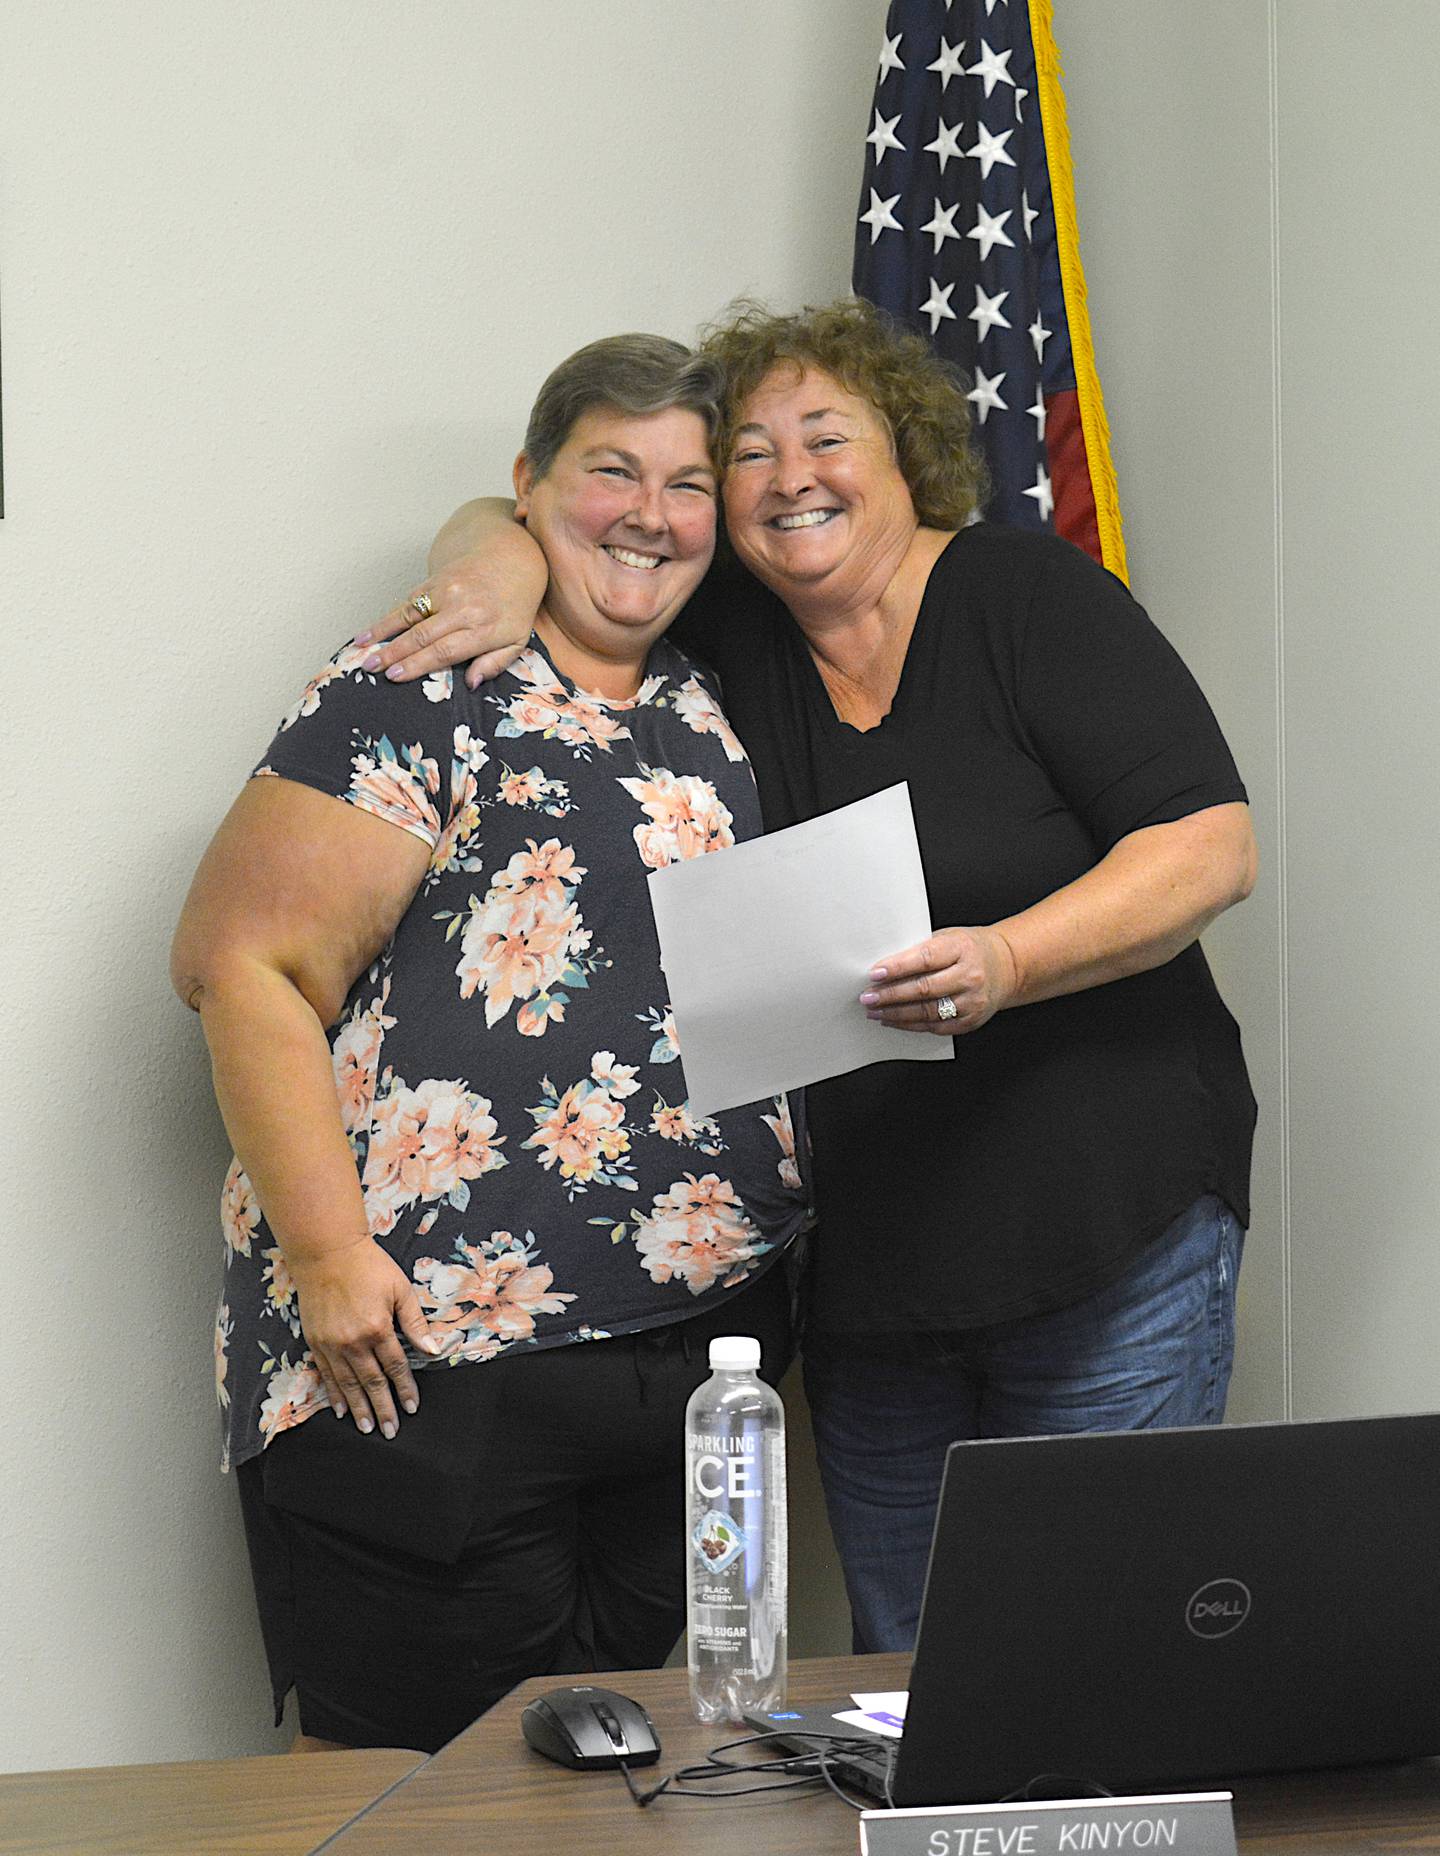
point(271, 1806)
point(488, 1790)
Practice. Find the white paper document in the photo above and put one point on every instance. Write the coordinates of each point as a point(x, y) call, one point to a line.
point(767, 947)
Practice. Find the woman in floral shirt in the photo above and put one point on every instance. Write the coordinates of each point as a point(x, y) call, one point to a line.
point(443, 1049)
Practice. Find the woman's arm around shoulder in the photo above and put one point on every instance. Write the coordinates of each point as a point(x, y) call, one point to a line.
point(487, 579)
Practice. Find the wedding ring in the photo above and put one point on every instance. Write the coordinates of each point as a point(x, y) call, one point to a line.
point(945, 1009)
point(422, 606)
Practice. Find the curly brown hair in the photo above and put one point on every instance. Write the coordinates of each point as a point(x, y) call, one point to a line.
point(919, 396)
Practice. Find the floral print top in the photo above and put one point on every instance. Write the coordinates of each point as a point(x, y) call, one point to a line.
point(507, 1072)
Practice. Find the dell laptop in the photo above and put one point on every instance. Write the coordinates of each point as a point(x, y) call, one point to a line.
point(1144, 1611)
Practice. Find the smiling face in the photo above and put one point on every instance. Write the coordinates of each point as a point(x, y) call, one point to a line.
point(626, 518)
point(814, 500)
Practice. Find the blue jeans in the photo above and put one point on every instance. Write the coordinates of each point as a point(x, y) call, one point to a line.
point(1153, 1349)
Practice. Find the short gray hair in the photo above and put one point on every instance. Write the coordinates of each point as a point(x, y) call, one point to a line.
point(634, 374)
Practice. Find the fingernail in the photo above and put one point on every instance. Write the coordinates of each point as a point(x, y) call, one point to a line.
point(372, 662)
point(430, 1344)
point(395, 672)
point(411, 1405)
point(339, 1410)
point(878, 973)
point(363, 637)
point(869, 998)
point(366, 1426)
point(876, 1018)
point(388, 1428)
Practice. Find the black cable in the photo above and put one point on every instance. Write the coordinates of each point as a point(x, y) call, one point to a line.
point(820, 1761)
point(801, 1770)
point(823, 1759)
point(806, 1769)
point(642, 1798)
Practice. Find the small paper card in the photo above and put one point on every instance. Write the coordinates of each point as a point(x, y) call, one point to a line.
point(1187, 1823)
point(873, 1722)
point(878, 1713)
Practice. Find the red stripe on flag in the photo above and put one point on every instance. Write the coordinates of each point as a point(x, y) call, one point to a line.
point(1070, 472)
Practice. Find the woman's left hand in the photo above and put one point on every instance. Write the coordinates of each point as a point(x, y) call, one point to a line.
point(973, 968)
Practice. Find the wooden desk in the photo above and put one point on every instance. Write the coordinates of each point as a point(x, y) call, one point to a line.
point(223, 1807)
point(488, 1792)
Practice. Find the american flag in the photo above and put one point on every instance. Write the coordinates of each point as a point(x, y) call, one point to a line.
point(967, 234)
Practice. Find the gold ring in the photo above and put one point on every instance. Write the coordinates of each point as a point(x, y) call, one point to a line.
point(422, 606)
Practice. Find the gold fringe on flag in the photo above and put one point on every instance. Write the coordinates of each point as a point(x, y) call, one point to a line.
point(1093, 423)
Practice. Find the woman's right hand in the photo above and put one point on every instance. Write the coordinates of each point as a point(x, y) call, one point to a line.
point(351, 1303)
point(482, 606)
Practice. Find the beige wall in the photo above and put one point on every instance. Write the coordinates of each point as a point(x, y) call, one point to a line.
point(279, 284)
point(1170, 119)
point(1253, 181)
point(1358, 270)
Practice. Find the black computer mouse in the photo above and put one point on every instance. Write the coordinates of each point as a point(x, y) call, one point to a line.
point(590, 1728)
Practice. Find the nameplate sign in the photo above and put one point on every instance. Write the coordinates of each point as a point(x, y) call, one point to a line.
point(1185, 1823)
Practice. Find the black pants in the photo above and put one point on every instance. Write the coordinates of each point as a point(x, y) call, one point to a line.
point(527, 1520)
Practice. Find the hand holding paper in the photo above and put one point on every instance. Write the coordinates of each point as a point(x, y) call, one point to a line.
point(767, 947)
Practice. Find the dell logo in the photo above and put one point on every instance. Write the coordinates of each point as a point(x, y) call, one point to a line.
point(1218, 1608)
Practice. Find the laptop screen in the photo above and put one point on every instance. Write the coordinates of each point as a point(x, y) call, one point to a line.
point(1143, 1610)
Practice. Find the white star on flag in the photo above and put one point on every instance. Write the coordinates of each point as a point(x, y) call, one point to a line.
point(937, 305)
point(1042, 493)
point(948, 63)
point(943, 223)
point(883, 137)
point(990, 65)
point(881, 217)
point(985, 395)
point(987, 282)
point(988, 230)
point(986, 313)
point(946, 143)
point(988, 149)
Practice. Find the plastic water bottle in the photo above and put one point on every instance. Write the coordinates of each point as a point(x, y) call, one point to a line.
point(735, 1529)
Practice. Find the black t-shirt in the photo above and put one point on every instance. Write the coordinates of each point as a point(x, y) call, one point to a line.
point(1040, 717)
